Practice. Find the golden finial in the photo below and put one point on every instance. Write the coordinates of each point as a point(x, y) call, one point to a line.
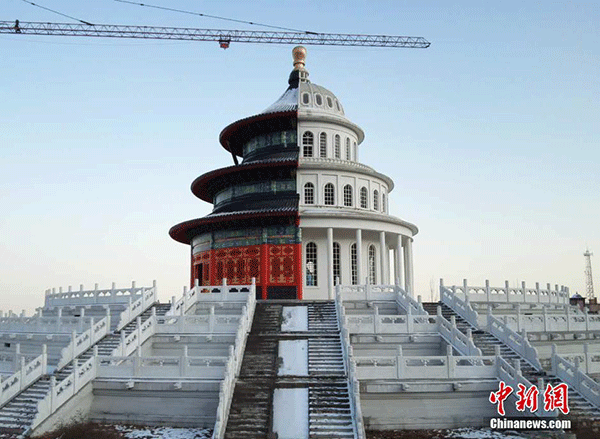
point(299, 54)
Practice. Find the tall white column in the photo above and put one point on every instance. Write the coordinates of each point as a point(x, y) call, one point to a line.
point(408, 265)
point(382, 258)
point(399, 268)
point(359, 257)
point(330, 284)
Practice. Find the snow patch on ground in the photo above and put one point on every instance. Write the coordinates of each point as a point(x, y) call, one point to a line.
point(295, 318)
point(290, 413)
point(471, 433)
point(294, 357)
point(132, 432)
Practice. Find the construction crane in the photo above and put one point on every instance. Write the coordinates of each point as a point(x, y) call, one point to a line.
point(589, 283)
point(223, 37)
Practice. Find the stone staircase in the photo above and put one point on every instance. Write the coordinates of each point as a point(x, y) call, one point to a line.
point(18, 414)
point(250, 415)
point(329, 413)
point(251, 412)
point(581, 412)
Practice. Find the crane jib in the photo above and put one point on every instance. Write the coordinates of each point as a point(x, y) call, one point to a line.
point(223, 37)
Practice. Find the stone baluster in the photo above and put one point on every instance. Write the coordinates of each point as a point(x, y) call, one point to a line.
point(450, 362)
point(211, 319)
point(17, 359)
point(183, 362)
point(400, 372)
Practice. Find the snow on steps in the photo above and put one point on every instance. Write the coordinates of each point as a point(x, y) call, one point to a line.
point(329, 412)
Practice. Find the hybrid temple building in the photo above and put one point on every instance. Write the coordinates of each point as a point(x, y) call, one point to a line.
point(301, 318)
point(300, 210)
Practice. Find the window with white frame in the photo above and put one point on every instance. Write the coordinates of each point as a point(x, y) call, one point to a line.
point(337, 146)
point(323, 145)
point(364, 198)
point(348, 195)
point(329, 194)
point(375, 200)
point(348, 152)
point(308, 142)
point(311, 264)
point(337, 263)
point(353, 265)
point(372, 266)
point(383, 206)
point(309, 193)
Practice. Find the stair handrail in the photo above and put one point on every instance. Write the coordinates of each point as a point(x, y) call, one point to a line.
point(461, 307)
point(511, 376)
point(234, 363)
point(572, 375)
point(129, 343)
point(23, 377)
point(188, 298)
point(350, 368)
point(517, 342)
point(61, 391)
point(82, 342)
point(147, 298)
point(463, 343)
point(82, 374)
point(407, 302)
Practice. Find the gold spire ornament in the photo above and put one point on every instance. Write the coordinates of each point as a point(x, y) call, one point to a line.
point(299, 55)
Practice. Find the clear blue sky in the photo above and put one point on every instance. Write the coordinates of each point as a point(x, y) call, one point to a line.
point(491, 135)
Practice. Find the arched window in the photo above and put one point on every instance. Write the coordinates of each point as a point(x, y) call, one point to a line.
point(305, 98)
point(307, 144)
point(311, 264)
point(323, 145)
point(353, 265)
point(364, 198)
point(383, 207)
point(348, 195)
point(375, 200)
point(337, 146)
point(319, 99)
point(372, 266)
point(309, 193)
point(348, 152)
point(337, 263)
point(329, 194)
point(355, 152)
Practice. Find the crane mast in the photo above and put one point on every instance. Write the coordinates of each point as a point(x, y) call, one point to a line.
point(223, 37)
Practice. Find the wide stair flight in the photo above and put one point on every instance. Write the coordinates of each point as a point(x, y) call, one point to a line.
point(330, 415)
point(580, 409)
point(18, 414)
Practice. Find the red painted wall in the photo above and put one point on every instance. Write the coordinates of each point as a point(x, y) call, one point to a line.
point(276, 265)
